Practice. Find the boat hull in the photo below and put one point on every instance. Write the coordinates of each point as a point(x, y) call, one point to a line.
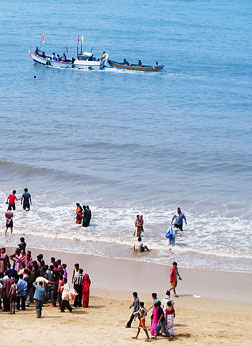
point(133, 67)
point(89, 65)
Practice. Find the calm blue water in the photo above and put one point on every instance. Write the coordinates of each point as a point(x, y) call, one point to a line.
point(131, 142)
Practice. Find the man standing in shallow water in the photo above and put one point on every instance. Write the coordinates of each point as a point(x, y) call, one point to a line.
point(11, 200)
point(178, 218)
point(26, 200)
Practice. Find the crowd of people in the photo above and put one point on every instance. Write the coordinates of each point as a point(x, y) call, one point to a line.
point(28, 280)
point(162, 315)
point(83, 215)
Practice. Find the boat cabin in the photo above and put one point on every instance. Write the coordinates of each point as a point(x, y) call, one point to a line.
point(88, 56)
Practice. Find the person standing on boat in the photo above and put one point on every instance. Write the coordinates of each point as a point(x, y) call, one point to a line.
point(178, 218)
point(105, 55)
point(139, 63)
point(53, 57)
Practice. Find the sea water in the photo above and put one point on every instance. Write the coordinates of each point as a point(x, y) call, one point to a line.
point(129, 143)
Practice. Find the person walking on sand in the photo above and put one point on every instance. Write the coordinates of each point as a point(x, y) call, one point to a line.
point(65, 297)
point(178, 218)
point(154, 319)
point(77, 282)
point(136, 305)
point(21, 292)
point(169, 319)
point(75, 271)
point(161, 321)
point(155, 300)
point(11, 200)
point(26, 200)
point(13, 297)
point(39, 296)
point(174, 278)
point(142, 313)
point(86, 291)
point(9, 219)
point(6, 291)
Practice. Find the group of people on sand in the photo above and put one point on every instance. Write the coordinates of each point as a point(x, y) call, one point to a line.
point(11, 201)
point(29, 280)
point(162, 315)
point(83, 215)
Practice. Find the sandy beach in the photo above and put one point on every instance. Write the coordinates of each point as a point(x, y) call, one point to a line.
point(206, 314)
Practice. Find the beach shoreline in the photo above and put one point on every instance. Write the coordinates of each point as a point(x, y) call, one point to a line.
point(124, 275)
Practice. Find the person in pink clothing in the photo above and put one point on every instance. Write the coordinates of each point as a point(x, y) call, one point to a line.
point(154, 320)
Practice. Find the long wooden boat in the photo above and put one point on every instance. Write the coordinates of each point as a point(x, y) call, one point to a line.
point(135, 67)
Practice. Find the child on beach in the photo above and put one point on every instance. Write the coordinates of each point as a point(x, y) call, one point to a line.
point(142, 313)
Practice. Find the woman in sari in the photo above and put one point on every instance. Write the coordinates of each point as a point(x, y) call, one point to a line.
point(138, 227)
point(78, 213)
point(169, 319)
point(154, 320)
point(85, 291)
point(85, 221)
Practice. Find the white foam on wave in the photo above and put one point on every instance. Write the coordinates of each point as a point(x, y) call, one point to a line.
point(111, 229)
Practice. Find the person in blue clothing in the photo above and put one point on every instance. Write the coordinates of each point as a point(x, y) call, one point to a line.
point(39, 295)
point(178, 218)
point(26, 200)
point(21, 292)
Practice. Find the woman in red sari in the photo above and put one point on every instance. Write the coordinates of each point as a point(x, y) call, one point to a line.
point(85, 291)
